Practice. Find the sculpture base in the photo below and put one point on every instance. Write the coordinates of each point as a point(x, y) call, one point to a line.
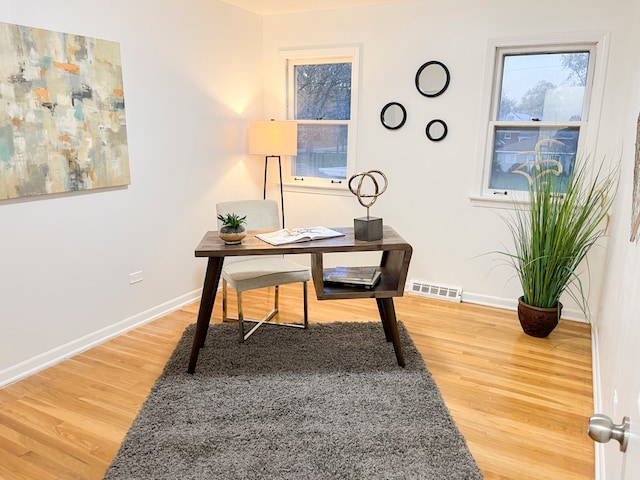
point(367, 228)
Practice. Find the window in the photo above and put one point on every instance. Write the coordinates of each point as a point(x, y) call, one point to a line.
point(321, 95)
point(538, 115)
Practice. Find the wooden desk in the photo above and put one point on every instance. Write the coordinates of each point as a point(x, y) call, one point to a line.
point(394, 264)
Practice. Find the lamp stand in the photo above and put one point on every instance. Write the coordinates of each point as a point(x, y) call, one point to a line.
point(264, 192)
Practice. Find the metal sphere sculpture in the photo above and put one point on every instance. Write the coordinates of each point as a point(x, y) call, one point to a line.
point(368, 199)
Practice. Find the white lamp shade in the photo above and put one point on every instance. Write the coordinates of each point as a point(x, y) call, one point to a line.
point(273, 138)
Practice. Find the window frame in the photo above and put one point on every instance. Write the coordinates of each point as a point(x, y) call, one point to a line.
point(596, 44)
point(340, 54)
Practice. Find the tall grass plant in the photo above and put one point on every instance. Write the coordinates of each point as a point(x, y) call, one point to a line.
point(556, 228)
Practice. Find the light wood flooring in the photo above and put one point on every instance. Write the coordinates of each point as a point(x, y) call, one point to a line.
point(521, 403)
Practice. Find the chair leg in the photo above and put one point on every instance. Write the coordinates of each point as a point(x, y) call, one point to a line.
point(267, 318)
point(240, 317)
point(305, 304)
point(224, 301)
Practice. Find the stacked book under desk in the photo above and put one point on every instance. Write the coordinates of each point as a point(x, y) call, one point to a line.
point(362, 277)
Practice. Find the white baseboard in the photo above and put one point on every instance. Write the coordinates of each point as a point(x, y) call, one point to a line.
point(58, 354)
point(512, 304)
point(490, 301)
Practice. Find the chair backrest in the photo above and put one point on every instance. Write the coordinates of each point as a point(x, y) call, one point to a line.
point(261, 214)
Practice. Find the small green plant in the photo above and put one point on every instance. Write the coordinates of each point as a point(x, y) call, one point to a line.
point(231, 220)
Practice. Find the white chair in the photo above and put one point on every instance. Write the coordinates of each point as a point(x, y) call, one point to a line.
point(259, 271)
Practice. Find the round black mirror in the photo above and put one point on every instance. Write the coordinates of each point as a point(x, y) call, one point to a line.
point(436, 130)
point(393, 115)
point(432, 78)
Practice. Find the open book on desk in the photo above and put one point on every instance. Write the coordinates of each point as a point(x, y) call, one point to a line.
point(295, 235)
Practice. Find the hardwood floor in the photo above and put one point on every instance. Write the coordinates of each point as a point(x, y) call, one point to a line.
point(522, 403)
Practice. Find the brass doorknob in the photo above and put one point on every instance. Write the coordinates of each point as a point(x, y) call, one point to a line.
point(602, 429)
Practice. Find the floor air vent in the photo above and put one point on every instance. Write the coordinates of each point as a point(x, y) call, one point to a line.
point(451, 294)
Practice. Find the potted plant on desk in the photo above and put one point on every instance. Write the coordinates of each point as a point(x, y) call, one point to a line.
point(232, 231)
point(552, 232)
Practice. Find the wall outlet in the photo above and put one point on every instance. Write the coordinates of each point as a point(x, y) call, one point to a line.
point(135, 277)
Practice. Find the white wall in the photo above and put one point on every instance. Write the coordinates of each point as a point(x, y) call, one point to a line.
point(190, 86)
point(429, 183)
point(618, 328)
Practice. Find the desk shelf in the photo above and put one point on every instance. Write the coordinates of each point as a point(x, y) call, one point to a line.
point(393, 266)
point(387, 286)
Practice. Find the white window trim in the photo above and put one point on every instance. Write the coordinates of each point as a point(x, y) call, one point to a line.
point(325, 55)
point(481, 195)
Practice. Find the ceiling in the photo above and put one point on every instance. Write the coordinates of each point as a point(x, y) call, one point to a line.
point(277, 7)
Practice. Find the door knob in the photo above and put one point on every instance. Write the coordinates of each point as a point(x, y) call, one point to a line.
point(602, 429)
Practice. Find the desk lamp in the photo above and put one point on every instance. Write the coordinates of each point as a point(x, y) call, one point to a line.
point(273, 139)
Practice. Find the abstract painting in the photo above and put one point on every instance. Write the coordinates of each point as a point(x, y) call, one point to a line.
point(62, 115)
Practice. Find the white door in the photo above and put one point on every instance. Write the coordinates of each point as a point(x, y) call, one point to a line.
point(626, 394)
point(621, 396)
point(618, 327)
point(618, 322)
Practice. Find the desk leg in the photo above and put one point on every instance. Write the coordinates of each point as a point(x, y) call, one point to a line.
point(387, 333)
point(390, 325)
point(211, 280)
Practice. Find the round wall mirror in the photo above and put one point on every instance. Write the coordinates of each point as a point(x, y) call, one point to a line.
point(432, 78)
point(393, 115)
point(436, 130)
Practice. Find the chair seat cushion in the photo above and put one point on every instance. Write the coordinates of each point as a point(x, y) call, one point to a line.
point(263, 272)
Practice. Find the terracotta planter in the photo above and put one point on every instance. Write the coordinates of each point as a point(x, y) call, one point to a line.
point(232, 236)
point(538, 322)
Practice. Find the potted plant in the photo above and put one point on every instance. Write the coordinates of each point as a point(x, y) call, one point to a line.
point(552, 233)
point(232, 231)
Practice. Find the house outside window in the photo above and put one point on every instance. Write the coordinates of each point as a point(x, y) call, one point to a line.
point(321, 98)
point(539, 114)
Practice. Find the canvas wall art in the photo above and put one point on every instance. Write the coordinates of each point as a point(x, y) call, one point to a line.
point(62, 113)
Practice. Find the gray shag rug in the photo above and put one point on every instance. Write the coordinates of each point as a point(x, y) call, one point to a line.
point(329, 402)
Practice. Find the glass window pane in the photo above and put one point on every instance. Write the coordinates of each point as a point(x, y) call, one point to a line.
point(546, 87)
point(323, 91)
point(520, 154)
point(322, 151)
